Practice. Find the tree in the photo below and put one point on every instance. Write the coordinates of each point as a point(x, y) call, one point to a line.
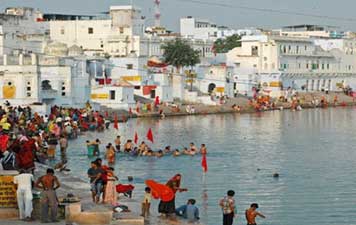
point(227, 44)
point(178, 53)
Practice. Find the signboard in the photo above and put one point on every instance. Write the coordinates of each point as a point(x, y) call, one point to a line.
point(275, 84)
point(131, 78)
point(7, 192)
point(99, 96)
point(220, 89)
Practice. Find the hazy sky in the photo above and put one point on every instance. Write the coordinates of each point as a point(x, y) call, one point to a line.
point(231, 16)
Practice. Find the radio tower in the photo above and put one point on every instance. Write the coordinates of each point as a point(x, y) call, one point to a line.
point(157, 13)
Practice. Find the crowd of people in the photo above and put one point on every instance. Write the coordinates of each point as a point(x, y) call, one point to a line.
point(27, 137)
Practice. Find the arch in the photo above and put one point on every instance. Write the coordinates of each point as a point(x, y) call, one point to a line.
point(46, 85)
point(211, 87)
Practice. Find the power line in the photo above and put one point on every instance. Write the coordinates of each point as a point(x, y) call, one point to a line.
point(269, 10)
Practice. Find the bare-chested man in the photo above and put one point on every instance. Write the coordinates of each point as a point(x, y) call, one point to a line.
point(48, 183)
point(251, 214)
point(128, 146)
point(117, 143)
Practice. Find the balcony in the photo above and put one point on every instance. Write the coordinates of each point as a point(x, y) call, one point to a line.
point(48, 94)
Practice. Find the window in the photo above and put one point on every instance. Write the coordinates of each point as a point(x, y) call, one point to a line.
point(90, 30)
point(307, 65)
point(129, 66)
point(121, 30)
point(289, 48)
point(322, 66)
point(327, 66)
point(28, 89)
point(297, 49)
point(62, 31)
point(306, 48)
point(254, 50)
point(112, 95)
point(299, 65)
point(63, 87)
point(284, 49)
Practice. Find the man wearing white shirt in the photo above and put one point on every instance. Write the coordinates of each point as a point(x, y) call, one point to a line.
point(24, 182)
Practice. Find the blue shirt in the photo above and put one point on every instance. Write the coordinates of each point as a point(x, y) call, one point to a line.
point(189, 212)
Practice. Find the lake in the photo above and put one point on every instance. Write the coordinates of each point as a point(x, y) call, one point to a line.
point(312, 150)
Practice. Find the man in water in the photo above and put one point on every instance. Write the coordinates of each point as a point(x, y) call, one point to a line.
point(251, 214)
point(189, 211)
point(117, 143)
point(228, 207)
point(49, 184)
point(23, 183)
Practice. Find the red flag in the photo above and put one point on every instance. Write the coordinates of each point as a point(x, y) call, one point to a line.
point(123, 118)
point(106, 114)
point(204, 163)
point(116, 122)
point(136, 138)
point(150, 135)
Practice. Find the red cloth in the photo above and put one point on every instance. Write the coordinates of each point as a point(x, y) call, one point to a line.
point(157, 101)
point(204, 163)
point(150, 135)
point(160, 191)
point(136, 138)
point(116, 122)
point(25, 157)
point(123, 188)
point(4, 139)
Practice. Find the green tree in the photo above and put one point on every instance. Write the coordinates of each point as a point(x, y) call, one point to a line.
point(179, 54)
point(226, 44)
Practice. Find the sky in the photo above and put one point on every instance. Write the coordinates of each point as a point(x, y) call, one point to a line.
point(232, 13)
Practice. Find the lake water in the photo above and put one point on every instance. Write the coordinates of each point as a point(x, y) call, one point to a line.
point(313, 151)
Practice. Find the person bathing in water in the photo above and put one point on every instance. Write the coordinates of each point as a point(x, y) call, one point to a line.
point(251, 214)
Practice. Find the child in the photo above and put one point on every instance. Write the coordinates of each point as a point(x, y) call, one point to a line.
point(146, 203)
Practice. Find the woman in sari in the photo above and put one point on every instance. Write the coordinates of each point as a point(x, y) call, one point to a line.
point(169, 207)
point(110, 190)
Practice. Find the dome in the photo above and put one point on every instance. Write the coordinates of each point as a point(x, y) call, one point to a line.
point(56, 49)
point(75, 50)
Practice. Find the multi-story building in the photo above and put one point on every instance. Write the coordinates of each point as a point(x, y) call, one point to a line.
point(195, 28)
point(29, 79)
point(23, 30)
point(215, 76)
point(299, 63)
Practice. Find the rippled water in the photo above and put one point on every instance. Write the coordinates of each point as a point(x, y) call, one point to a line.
point(312, 150)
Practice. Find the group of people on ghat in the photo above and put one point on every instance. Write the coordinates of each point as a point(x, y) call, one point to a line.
point(27, 137)
point(167, 203)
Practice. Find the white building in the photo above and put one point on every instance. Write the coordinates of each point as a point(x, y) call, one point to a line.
point(215, 76)
point(195, 28)
point(281, 62)
point(23, 30)
point(119, 35)
point(28, 79)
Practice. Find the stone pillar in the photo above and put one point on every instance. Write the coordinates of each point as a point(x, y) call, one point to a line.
point(5, 60)
point(21, 59)
point(33, 59)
